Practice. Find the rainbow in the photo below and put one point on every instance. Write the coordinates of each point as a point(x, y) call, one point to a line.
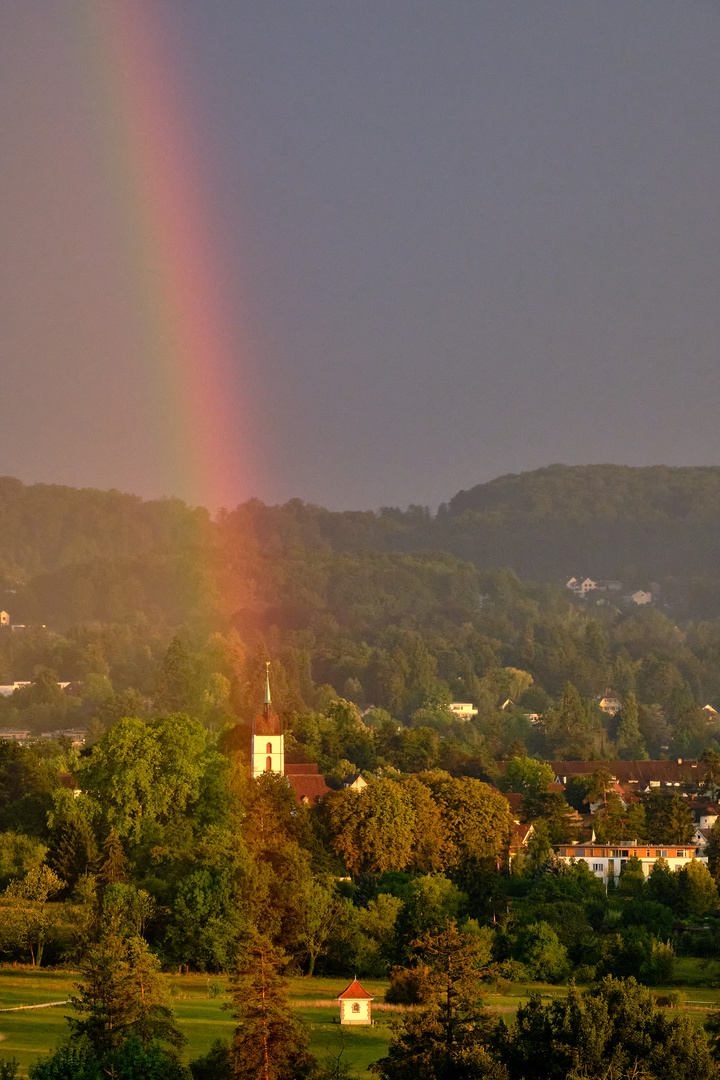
point(169, 258)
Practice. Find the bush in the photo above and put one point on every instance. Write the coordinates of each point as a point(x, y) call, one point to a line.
point(215, 1065)
point(660, 965)
point(669, 999)
point(538, 948)
point(513, 971)
point(406, 986)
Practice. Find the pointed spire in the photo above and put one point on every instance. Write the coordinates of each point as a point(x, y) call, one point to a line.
point(268, 699)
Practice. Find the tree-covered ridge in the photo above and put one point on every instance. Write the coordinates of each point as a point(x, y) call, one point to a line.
point(609, 521)
point(81, 555)
point(583, 492)
point(48, 526)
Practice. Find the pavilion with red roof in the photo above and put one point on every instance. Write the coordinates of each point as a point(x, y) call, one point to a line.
point(355, 1005)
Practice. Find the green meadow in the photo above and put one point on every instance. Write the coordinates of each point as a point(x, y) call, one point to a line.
point(198, 999)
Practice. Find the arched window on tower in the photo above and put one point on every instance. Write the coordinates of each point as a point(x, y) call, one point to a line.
point(268, 748)
point(268, 764)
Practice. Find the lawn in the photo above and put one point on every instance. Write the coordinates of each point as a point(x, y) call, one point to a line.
point(199, 1000)
point(29, 1034)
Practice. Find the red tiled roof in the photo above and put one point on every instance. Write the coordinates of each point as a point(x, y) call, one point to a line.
point(640, 772)
point(355, 990)
point(521, 832)
point(270, 726)
point(308, 786)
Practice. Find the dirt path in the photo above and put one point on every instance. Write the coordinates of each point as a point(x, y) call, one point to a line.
point(45, 1005)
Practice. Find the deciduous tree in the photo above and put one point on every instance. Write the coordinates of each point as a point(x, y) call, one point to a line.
point(28, 920)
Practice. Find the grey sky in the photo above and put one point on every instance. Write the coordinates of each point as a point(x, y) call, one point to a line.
point(460, 238)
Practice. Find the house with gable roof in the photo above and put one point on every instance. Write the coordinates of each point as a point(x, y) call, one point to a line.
point(355, 1007)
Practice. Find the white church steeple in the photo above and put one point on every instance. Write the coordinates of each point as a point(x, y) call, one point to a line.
point(268, 743)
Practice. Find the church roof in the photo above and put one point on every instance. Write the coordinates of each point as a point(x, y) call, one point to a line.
point(308, 785)
point(355, 990)
point(267, 725)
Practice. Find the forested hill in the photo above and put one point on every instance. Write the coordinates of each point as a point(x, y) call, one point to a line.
point(77, 555)
point(44, 527)
point(601, 520)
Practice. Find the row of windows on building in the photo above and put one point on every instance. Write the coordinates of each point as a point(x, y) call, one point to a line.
point(625, 853)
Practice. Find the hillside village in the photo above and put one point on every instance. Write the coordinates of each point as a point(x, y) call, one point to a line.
point(437, 746)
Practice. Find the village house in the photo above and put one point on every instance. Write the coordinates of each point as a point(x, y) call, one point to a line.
point(610, 703)
point(307, 783)
point(711, 715)
point(700, 839)
point(9, 688)
point(639, 597)
point(607, 860)
point(14, 735)
point(75, 735)
point(355, 782)
point(521, 833)
point(580, 588)
point(704, 813)
point(635, 776)
point(464, 710)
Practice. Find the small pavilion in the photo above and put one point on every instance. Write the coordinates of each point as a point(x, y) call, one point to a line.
point(355, 1005)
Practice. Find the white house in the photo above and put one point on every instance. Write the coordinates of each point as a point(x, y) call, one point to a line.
point(580, 588)
point(610, 703)
point(464, 710)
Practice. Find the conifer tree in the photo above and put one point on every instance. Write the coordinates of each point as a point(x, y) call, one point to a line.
point(629, 740)
point(176, 684)
point(269, 1043)
point(449, 1038)
point(73, 850)
point(113, 864)
point(121, 995)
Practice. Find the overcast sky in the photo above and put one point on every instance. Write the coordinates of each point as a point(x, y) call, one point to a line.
point(451, 240)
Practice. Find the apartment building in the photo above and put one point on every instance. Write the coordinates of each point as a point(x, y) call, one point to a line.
point(606, 860)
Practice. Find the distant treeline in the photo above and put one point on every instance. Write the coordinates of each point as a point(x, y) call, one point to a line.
point(79, 555)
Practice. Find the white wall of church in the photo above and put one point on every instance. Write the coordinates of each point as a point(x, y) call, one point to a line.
point(268, 754)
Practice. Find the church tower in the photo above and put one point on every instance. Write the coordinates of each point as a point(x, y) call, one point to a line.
point(268, 744)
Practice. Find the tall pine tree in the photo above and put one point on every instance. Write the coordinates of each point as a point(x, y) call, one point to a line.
point(269, 1043)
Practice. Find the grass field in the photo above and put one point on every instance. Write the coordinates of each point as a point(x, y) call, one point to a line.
point(29, 1034)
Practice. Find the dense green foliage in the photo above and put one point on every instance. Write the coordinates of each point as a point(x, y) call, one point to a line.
point(151, 847)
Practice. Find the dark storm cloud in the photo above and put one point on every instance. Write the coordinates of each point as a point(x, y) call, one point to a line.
point(467, 238)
